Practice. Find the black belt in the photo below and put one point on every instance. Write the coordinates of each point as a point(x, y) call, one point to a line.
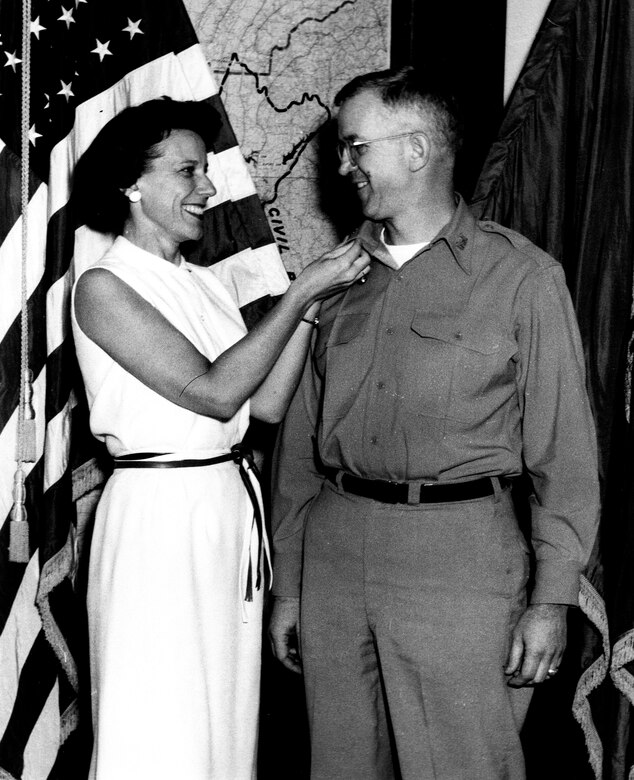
point(398, 492)
point(136, 460)
point(238, 454)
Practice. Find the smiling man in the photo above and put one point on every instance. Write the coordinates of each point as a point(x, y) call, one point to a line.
point(400, 569)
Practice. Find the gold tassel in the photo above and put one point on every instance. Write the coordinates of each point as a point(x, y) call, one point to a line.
point(19, 549)
point(27, 445)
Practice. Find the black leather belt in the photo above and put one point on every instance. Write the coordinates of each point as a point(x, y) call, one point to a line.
point(136, 460)
point(239, 454)
point(398, 492)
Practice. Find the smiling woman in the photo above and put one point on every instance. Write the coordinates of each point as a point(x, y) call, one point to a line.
point(179, 557)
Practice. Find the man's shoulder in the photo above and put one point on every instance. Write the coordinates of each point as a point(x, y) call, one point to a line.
point(515, 245)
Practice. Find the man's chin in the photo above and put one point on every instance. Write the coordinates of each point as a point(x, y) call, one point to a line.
point(367, 211)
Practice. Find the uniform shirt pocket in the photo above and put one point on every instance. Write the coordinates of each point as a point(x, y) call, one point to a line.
point(346, 362)
point(467, 370)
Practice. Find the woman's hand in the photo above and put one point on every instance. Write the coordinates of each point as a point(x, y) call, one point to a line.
point(333, 272)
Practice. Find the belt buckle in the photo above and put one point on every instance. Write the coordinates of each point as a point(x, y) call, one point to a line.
point(421, 493)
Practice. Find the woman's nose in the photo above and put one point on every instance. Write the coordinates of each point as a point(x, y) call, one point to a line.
point(206, 187)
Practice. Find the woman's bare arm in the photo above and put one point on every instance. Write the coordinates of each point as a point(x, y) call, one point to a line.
point(149, 347)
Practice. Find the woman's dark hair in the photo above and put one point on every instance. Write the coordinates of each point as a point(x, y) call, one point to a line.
point(122, 151)
point(409, 87)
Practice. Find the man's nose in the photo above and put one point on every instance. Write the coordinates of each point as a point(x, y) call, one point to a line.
point(346, 164)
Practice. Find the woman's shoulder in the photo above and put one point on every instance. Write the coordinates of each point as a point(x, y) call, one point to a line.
point(98, 289)
point(111, 259)
point(110, 275)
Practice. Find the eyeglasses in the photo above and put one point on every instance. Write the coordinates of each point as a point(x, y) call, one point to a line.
point(356, 149)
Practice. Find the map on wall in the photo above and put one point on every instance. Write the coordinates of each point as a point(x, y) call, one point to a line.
point(279, 64)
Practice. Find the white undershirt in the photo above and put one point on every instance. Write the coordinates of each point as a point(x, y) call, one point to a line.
point(401, 253)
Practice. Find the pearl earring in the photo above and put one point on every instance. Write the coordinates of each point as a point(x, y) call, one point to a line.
point(134, 196)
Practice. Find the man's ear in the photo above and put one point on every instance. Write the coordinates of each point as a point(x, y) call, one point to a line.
point(421, 150)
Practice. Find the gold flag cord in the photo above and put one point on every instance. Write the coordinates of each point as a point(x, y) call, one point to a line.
point(19, 548)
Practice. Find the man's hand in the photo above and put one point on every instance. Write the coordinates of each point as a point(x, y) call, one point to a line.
point(537, 644)
point(284, 632)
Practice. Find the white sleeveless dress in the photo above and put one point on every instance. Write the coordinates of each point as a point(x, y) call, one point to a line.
point(174, 647)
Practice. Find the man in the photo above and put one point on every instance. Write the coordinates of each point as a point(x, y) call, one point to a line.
point(455, 367)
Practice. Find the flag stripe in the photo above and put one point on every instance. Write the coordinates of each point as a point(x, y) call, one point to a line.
point(40, 751)
point(37, 679)
point(57, 308)
point(248, 230)
point(10, 353)
point(57, 430)
point(248, 272)
point(229, 176)
point(11, 259)
point(16, 639)
point(225, 138)
point(10, 176)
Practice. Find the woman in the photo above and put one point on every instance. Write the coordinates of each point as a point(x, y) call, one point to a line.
point(178, 554)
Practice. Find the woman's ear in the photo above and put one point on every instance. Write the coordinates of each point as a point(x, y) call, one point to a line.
point(132, 193)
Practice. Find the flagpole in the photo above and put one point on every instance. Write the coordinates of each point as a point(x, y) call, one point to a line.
point(19, 548)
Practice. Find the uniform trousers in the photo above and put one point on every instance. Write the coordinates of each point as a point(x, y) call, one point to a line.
point(406, 615)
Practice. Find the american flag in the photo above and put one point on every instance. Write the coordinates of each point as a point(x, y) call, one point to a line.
point(88, 60)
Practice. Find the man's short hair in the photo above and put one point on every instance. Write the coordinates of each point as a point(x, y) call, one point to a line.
point(124, 149)
point(409, 88)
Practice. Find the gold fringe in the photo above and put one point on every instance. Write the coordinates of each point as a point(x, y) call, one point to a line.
point(623, 653)
point(593, 607)
point(61, 566)
point(69, 721)
point(87, 477)
point(54, 571)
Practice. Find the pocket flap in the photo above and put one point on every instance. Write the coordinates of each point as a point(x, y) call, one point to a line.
point(348, 327)
point(481, 336)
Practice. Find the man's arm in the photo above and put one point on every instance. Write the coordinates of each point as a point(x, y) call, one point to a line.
point(559, 444)
point(284, 632)
point(295, 483)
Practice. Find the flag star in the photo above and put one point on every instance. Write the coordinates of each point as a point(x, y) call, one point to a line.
point(77, 2)
point(48, 101)
point(66, 90)
point(12, 60)
point(133, 28)
point(36, 28)
point(101, 49)
point(67, 16)
point(34, 135)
